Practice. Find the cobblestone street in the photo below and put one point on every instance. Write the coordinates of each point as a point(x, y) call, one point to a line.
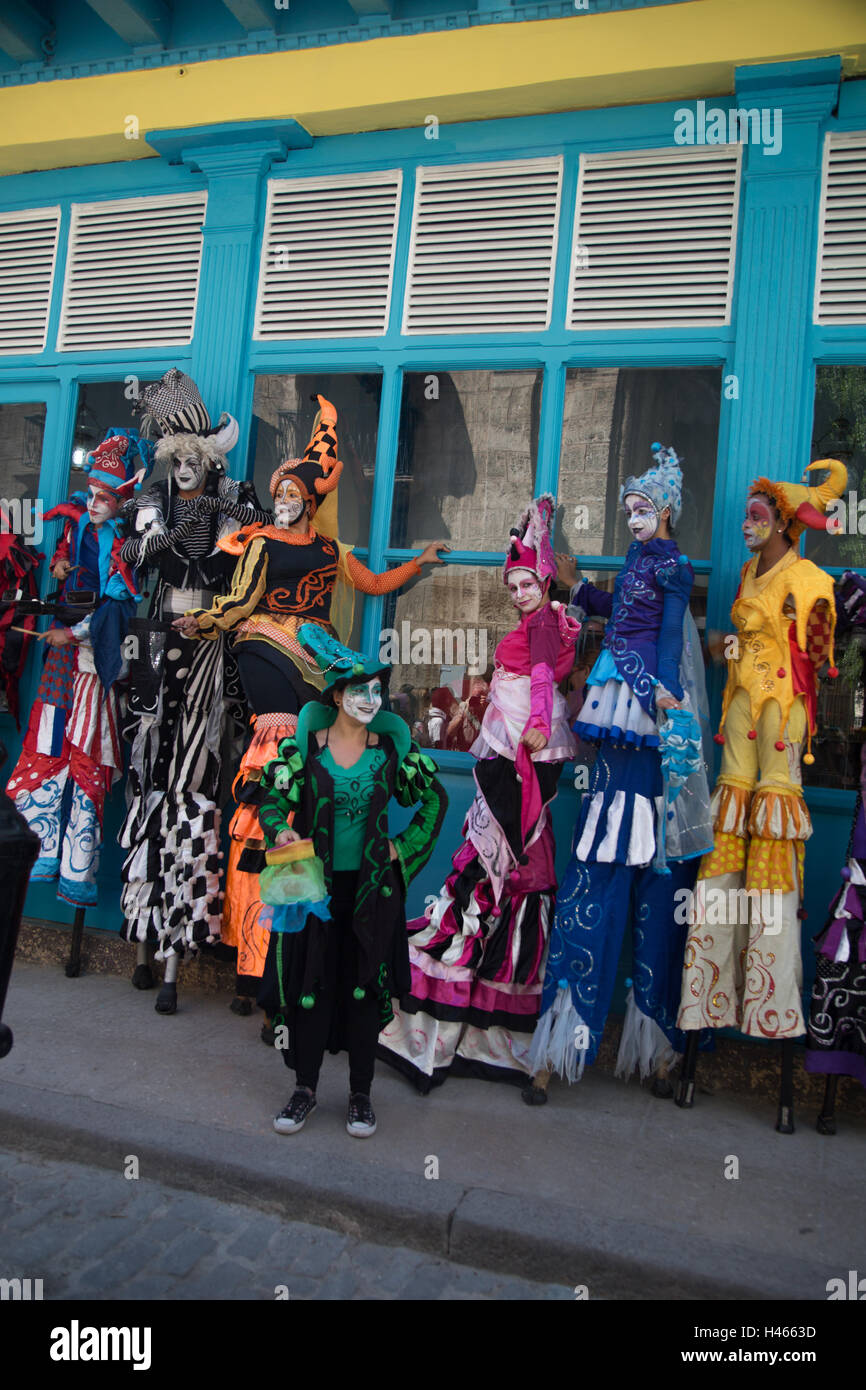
point(91, 1234)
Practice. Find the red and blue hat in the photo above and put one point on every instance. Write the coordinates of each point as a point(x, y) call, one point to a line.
point(111, 466)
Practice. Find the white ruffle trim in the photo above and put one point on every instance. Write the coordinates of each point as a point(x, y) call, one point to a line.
point(642, 1045)
point(618, 708)
point(554, 1042)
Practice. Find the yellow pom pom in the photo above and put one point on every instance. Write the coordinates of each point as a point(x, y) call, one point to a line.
point(808, 759)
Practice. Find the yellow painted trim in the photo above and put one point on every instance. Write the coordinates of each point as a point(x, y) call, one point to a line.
point(669, 53)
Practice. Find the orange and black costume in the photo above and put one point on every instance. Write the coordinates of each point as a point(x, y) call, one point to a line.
point(283, 579)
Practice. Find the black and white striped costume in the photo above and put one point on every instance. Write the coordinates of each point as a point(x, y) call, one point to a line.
point(185, 718)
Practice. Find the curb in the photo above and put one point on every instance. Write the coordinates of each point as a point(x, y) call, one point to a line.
point(532, 1238)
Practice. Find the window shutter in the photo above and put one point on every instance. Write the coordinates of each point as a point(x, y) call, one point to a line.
point(840, 284)
point(328, 256)
point(132, 273)
point(654, 239)
point(483, 247)
point(28, 247)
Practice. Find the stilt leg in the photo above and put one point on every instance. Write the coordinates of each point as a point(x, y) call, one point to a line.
point(826, 1123)
point(73, 965)
point(142, 975)
point(166, 1000)
point(685, 1096)
point(536, 1092)
point(785, 1120)
point(661, 1084)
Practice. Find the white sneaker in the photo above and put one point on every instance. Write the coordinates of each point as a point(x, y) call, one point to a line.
point(294, 1115)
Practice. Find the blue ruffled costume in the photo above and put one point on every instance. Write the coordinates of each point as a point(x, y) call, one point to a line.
point(610, 878)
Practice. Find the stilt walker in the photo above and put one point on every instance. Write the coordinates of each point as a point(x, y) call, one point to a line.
point(72, 749)
point(478, 955)
point(743, 966)
point(836, 1034)
point(185, 711)
point(290, 572)
point(636, 849)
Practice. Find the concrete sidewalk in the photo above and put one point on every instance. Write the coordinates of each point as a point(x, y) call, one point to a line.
point(605, 1186)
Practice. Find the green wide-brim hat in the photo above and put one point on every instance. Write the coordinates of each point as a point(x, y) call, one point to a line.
point(336, 661)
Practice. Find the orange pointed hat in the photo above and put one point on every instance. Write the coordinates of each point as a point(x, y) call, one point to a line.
point(318, 472)
point(801, 506)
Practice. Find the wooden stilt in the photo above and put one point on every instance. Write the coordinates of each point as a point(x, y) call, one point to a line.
point(685, 1096)
point(785, 1118)
point(826, 1123)
point(73, 965)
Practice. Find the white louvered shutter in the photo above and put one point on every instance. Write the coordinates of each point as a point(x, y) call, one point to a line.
point(483, 247)
point(654, 239)
point(328, 256)
point(28, 247)
point(840, 284)
point(132, 273)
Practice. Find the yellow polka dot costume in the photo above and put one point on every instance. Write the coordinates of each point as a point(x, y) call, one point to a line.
point(743, 967)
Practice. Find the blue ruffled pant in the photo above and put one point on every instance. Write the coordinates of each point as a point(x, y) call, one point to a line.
point(596, 901)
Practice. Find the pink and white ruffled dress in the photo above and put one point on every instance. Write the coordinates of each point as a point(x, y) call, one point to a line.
point(477, 956)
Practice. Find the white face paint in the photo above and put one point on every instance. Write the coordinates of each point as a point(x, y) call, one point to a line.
point(642, 517)
point(524, 590)
point(363, 702)
point(101, 506)
point(288, 503)
point(189, 471)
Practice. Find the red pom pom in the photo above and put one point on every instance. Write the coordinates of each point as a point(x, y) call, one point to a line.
point(833, 672)
point(718, 738)
point(753, 733)
point(779, 745)
point(781, 673)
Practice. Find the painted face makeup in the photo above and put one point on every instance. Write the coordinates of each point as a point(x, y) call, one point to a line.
point(101, 506)
point(524, 590)
point(363, 702)
point(758, 523)
point(642, 518)
point(288, 504)
point(188, 472)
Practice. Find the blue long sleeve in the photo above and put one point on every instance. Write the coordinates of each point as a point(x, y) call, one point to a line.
point(677, 584)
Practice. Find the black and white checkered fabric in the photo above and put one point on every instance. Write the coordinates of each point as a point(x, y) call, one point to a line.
point(174, 404)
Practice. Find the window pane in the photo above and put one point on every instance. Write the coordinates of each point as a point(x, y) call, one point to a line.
point(101, 405)
point(442, 631)
point(839, 431)
point(283, 415)
point(22, 425)
point(612, 416)
point(837, 744)
point(466, 457)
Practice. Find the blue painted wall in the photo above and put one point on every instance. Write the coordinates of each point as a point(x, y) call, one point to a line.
point(770, 345)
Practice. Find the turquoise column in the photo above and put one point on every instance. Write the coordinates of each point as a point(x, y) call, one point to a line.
point(235, 162)
point(768, 385)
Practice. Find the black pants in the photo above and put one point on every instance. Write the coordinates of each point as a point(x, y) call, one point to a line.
point(272, 684)
point(338, 1019)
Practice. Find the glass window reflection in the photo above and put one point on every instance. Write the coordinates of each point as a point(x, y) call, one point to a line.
point(466, 457)
point(611, 417)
